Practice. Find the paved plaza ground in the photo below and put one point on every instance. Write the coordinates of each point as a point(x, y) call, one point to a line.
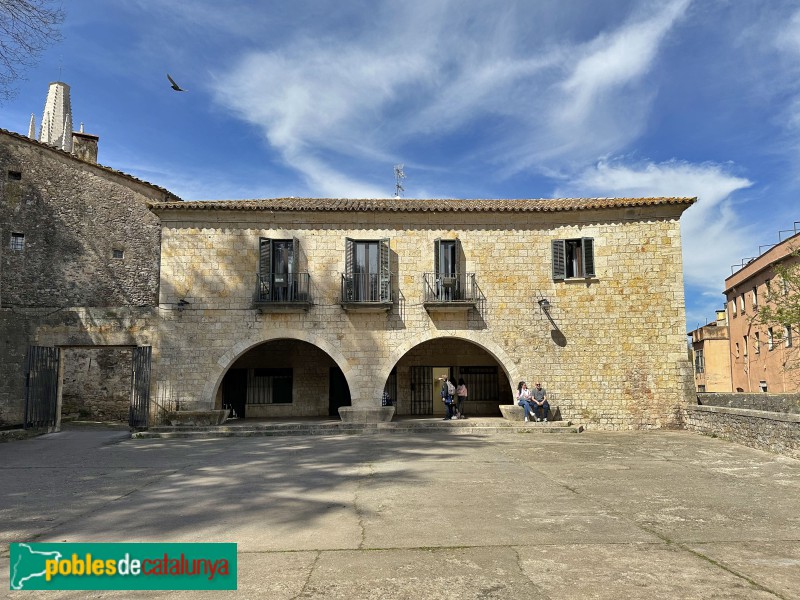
point(528, 516)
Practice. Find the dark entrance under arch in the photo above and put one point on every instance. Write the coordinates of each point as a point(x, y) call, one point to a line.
point(284, 378)
point(418, 388)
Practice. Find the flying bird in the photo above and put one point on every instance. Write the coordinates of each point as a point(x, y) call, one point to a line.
point(175, 86)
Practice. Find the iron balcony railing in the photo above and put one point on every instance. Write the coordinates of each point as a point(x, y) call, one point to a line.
point(282, 287)
point(458, 287)
point(370, 287)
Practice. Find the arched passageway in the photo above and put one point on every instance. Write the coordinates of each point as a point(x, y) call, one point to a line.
point(414, 390)
point(283, 378)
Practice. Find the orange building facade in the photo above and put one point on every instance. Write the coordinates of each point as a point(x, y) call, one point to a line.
point(762, 357)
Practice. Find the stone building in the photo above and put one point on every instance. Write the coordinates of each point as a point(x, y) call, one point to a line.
point(79, 271)
point(711, 355)
point(298, 307)
point(764, 358)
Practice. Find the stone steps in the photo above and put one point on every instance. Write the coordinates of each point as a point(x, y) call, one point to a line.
point(469, 426)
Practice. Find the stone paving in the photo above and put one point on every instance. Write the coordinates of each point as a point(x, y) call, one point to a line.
point(596, 515)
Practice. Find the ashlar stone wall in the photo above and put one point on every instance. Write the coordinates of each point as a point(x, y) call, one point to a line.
point(612, 349)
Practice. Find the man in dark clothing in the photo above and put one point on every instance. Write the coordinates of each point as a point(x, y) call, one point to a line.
point(539, 402)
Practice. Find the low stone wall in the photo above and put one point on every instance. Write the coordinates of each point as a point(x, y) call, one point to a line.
point(777, 432)
point(782, 403)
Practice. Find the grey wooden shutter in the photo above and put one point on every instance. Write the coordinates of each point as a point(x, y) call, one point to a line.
point(293, 264)
point(460, 259)
point(437, 245)
point(587, 246)
point(264, 256)
point(348, 290)
point(386, 271)
point(264, 268)
point(559, 259)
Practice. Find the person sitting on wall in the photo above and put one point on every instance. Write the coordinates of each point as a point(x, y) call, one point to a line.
point(524, 399)
point(540, 405)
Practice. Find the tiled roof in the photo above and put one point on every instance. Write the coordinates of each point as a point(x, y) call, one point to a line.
point(412, 205)
point(25, 138)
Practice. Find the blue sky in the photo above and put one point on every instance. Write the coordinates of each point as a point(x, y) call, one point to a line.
point(478, 99)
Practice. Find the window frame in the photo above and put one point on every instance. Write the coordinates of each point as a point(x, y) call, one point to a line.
point(563, 257)
point(17, 241)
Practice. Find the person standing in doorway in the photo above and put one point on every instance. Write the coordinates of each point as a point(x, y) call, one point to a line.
point(447, 397)
point(540, 405)
point(461, 395)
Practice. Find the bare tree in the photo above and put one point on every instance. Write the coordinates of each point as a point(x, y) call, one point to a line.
point(26, 28)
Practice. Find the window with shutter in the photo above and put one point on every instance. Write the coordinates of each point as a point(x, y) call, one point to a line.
point(573, 258)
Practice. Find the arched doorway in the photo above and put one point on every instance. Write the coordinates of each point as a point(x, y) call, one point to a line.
point(417, 371)
point(283, 378)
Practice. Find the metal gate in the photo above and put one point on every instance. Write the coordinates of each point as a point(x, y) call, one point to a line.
point(139, 412)
point(41, 387)
point(421, 391)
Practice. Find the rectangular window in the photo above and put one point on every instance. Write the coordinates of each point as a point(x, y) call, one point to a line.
point(770, 339)
point(755, 298)
point(768, 288)
point(741, 303)
point(17, 241)
point(737, 349)
point(699, 362)
point(15, 175)
point(701, 388)
point(763, 386)
point(118, 254)
point(787, 336)
point(278, 278)
point(744, 345)
point(573, 258)
point(733, 307)
point(367, 271)
point(269, 386)
point(757, 343)
point(447, 269)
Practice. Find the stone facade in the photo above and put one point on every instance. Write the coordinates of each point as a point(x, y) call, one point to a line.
point(611, 347)
point(79, 262)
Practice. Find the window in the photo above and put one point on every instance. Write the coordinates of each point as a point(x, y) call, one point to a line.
point(755, 298)
point(118, 254)
point(744, 345)
point(367, 275)
point(787, 336)
point(763, 386)
point(770, 339)
point(785, 287)
point(573, 258)
point(733, 307)
point(757, 343)
point(737, 349)
point(15, 175)
point(269, 386)
point(701, 388)
point(278, 278)
point(17, 241)
point(741, 303)
point(699, 362)
point(768, 287)
point(447, 271)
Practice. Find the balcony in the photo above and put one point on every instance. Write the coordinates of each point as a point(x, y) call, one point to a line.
point(282, 292)
point(367, 292)
point(448, 293)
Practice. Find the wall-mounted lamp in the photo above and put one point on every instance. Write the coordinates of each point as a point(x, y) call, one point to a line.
point(544, 304)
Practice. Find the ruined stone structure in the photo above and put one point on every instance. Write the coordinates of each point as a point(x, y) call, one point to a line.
point(79, 262)
point(294, 307)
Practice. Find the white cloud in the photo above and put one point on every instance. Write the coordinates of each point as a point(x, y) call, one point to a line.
point(713, 238)
point(334, 103)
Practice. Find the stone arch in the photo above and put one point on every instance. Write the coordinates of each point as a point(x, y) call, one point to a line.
point(481, 340)
point(228, 358)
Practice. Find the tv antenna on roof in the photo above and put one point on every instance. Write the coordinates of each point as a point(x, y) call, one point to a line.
point(398, 177)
